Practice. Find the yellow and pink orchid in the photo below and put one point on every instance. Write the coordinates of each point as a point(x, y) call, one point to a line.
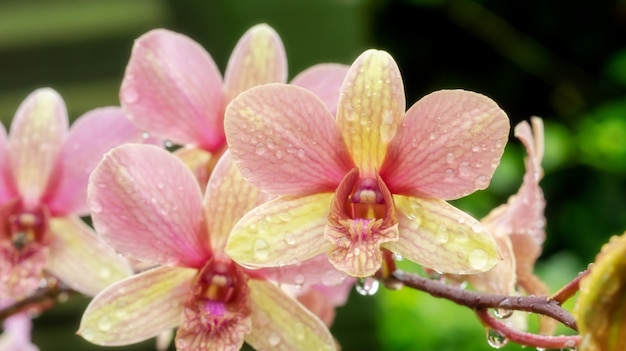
point(159, 215)
point(375, 177)
point(173, 89)
point(44, 171)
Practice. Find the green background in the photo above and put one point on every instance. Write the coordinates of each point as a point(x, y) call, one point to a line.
point(561, 60)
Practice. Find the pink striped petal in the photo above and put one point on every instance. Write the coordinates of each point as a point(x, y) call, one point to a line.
point(370, 108)
point(228, 198)
point(325, 81)
point(258, 58)
point(81, 259)
point(148, 205)
point(7, 186)
point(316, 270)
point(93, 134)
point(283, 231)
point(173, 89)
point(439, 236)
point(285, 141)
point(137, 308)
point(279, 322)
point(448, 146)
point(37, 133)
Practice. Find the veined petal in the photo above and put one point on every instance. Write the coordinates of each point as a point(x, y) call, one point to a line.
point(286, 230)
point(148, 205)
point(228, 198)
point(137, 308)
point(285, 141)
point(259, 58)
point(448, 146)
point(7, 186)
point(325, 81)
point(371, 106)
point(437, 235)
point(37, 133)
point(93, 134)
point(316, 270)
point(500, 279)
point(81, 259)
point(279, 322)
point(173, 89)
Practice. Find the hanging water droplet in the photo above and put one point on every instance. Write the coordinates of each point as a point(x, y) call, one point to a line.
point(104, 323)
point(496, 339)
point(478, 259)
point(274, 339)
point(502, 313)
point(259, 149)
point(367, 286)
point(261, 249)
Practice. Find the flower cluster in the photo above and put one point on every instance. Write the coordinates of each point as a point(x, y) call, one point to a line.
point(243, 208)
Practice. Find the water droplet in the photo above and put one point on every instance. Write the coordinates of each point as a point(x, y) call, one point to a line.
point(130, 96)
point(397, 256)
point(145, 135)
point(449, 174)
point(87, 334)
point(104, 323)
point(105, 272)
point(482, 182)
point(367, 286)
point(261, 249)
point(475, 147)
point(300, 153)
point(442, 234)
point(502, 313)
point(461, 220)
point(290, 239)
point(181, 343)
point(343, 242)
point(259, 149)
point(262, 317)
point(279, 154)
point(95, 206)
point(160, 185)
point(299, 279)
point(496, 339)
point(464, 169)
point(414, 142)
point(432, 136)
point(168, 143)
point(477, 227)
point(495, 162)
point(478, 259)
point(274, 339)
point(333, 278)
point(450, 158)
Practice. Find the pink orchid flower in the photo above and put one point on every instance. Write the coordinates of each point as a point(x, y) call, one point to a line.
point(44, 171)
point(173, 89)
point(375, 177)
point(158, 214)
point(16, 336)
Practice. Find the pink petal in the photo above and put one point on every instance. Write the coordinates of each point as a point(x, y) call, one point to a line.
point(147, 204)
point(93, 134)
point(81, 259)
point(283, 231)
point(258, 58)
point(314, 271)
point(173, 89)
point(325, 81)
point(500, 279)
point(370, 108)
point(199, 161)
point(137, 308)
point(285, 141)
point(439, 236)
point(228, 198)
point(37, 133)
point(17, 334)
point(7, 187)
point(447, 147)
point(281, 323)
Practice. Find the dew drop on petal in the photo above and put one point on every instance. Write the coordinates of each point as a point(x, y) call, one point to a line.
point(104, 323)
point(274, 339)
point(145, 135)
point(475, 147)
point(442, 234)
point(450, 158)
point(95, 206)
point(290, 239)
point(477, 227)
point(259, 149)
point(261, 249)
point(495, 162)
point(279, 154)
point(464, 169)
point(495, 339)
point(285, 216)
point(262, 317)
point(181, 344)
point(87, 334)
point(482, 182)
point(478, 259)
point(449, 174)
point(299, 279)
point(333, 278)
point(104, 273)
point(130, 96)
point(300, 153)
point(367, 286)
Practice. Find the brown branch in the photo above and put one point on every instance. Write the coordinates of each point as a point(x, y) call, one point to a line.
point(528, 339)
point(479, 300)
point(39, 301)
point(569, 290)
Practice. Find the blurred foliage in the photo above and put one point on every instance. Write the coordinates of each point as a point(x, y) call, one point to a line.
point(561, 60)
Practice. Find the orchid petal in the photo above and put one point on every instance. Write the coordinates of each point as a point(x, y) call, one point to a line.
point(500, 279)
point(173, 89)
point(37, 133)
point(137, 308)
point(81, 259)
point(325, 81)
point(371, 106)
point(437, 235)
point(283, 231)
point(17, 333)
point(93, 134)
point(279, 322)
point(285, 141)
point(316, 270)
point(227, 199)
point(148, 213)
point(258, 58)
point(7, 188)
point(199, 161)
point(448, 146)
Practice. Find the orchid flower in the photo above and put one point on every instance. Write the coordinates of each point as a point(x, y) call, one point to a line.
point(372, 178)
point(16, 336)
point(173, 89)
point(158, 214)
point(44, 171)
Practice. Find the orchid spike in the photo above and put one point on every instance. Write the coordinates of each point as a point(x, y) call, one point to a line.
point(160, 216)
point(44, 169)
point(173, 89)
point(375, 177)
